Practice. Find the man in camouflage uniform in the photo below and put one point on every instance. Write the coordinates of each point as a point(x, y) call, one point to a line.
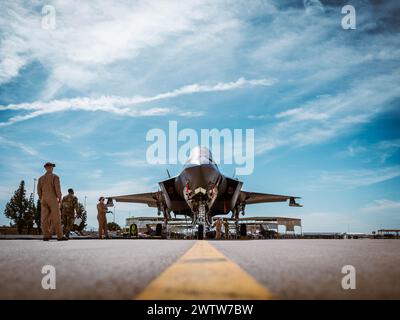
point(69, 207)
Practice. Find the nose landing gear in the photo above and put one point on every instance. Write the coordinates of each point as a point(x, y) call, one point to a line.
point(202, 220)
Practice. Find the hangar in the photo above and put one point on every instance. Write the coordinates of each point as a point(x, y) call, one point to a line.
point(271, 225)
point(255, 227)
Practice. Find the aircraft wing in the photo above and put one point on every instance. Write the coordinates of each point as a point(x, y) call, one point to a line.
point(255, 197)
point(149, 198)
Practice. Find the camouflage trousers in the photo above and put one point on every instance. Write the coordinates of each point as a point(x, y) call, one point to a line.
point(67, 220)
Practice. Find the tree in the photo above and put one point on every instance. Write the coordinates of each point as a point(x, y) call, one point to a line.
point(37, 215)
point(17, 207)
point(112, 226)
point(30, 214)
point(81, 213)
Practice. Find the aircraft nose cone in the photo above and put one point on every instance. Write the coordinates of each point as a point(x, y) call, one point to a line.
point(202, 176)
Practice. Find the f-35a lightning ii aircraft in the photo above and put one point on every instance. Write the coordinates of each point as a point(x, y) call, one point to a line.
point(201, 191)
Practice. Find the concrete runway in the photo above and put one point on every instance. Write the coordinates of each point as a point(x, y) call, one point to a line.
point(121, 269)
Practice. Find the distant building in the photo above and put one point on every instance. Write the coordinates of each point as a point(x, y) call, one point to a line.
point(389, 233)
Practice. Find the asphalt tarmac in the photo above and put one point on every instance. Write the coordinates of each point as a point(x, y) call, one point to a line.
point(122, 269)
point(311, 269)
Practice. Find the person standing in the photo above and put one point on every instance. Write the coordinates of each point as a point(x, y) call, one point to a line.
point(218, 227)
point(102, 218)
point(69, 207)
point(49, 192)
point(226, 227)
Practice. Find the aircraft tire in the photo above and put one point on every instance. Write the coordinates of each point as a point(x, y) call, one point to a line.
point(200, 232)
point(158, 229)
point(243, 230)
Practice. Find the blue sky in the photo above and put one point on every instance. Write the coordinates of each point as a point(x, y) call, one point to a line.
point(323, 101)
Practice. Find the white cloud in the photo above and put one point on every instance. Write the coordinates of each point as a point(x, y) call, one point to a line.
point(313, 6)
point(257, 117)
point(332, 116)
point(124, 106)
point(88, 34)
point(91, 38)
point(354, 150)
point(358, 178)
point(382, 206)
point(387, 148)
point(388, 144)
point(332, 83)
point(378, 152)
point(64, 136)
point(21, 146)
point(191, 114)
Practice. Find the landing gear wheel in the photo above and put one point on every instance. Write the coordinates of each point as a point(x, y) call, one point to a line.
point(200, 232)
point(243, 230)
point(159, 229)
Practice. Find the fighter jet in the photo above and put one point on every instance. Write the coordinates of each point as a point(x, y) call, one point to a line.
point(201, 191)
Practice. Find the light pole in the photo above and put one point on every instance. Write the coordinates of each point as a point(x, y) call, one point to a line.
point(34, 188)
point(84, 203)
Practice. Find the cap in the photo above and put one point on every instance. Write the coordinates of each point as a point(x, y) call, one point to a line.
point(49, 164)
point(70, 190)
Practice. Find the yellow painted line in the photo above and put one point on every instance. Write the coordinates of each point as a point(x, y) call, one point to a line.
point(204, 273)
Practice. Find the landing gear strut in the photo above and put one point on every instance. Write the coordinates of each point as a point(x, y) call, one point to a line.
point(201, 220)
point(235, 215)
point(239, 209)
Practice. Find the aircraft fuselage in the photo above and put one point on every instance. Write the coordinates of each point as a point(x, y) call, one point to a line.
point(201, 184)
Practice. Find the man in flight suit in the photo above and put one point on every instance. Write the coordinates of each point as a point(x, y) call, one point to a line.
point(102, 218)
point(49, 192)
point(69, 207)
